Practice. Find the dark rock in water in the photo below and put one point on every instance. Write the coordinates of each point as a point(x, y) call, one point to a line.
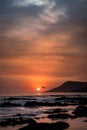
point(31, 103)
point(18, 98)
point(11, 98)
point(55, 111)
point(73, 100)
point(35, 104)
point(59, 110)
point(9, 104)
point(8, 122)
point(85, 121)
point(59, 116)
point(37, 118)
point(83, 101)
point(31, 122)
point(16, 121)
point(46, 126)
point(80, 111)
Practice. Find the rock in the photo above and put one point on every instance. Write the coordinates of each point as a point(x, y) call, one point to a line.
point(55, 111)
point(8, 122)
point(59, 116)
point(83, 101)
point(11, 98)
point(35, 104)
point(80, 111)
point(31, 103)
point(9, 104)
point(31, 122)
point(16, 121)
point(59, 110)
point(85, 121)
point(46, 126)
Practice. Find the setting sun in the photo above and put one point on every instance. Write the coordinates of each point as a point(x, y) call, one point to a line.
point(38, 89)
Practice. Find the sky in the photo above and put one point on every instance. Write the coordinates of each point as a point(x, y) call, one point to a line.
point(42, 43)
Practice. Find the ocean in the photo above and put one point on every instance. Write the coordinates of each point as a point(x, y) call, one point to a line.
point(39, 106)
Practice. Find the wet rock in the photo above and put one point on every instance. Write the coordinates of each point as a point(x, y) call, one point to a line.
point(73, 100)
point(55, 111)
point(9, 104)
point(16, 121)
point(85, 121)
point(59, 110)
point(31, 122)
point(11, 98)
point(61, 104)
point(46, 126)
point(62, 98)
point(80, 111)
point(59, 116)
point(8, 122)
point(83, 101)
point(35, 103)
point(31, 103)
point(37, 118)
point(18, 98)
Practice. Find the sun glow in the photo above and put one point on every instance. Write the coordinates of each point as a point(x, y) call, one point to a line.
point(38, 89)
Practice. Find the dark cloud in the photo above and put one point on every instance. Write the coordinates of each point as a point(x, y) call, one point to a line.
point(73, 23)
point(12, 16)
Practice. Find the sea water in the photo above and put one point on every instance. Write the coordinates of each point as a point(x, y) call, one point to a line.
point(37, 112)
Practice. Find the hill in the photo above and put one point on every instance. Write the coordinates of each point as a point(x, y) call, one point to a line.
point(71, 86)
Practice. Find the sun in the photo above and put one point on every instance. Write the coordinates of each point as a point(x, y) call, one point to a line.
point(38, 89)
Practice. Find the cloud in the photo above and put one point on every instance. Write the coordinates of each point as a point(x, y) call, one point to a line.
point(74, 24)
point(44, 38)
point(23, 3)
point(23, 25)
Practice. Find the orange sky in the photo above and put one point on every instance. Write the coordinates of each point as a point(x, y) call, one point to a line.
point(42, 43)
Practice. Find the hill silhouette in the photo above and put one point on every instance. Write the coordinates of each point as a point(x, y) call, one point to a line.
point(71, 86)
